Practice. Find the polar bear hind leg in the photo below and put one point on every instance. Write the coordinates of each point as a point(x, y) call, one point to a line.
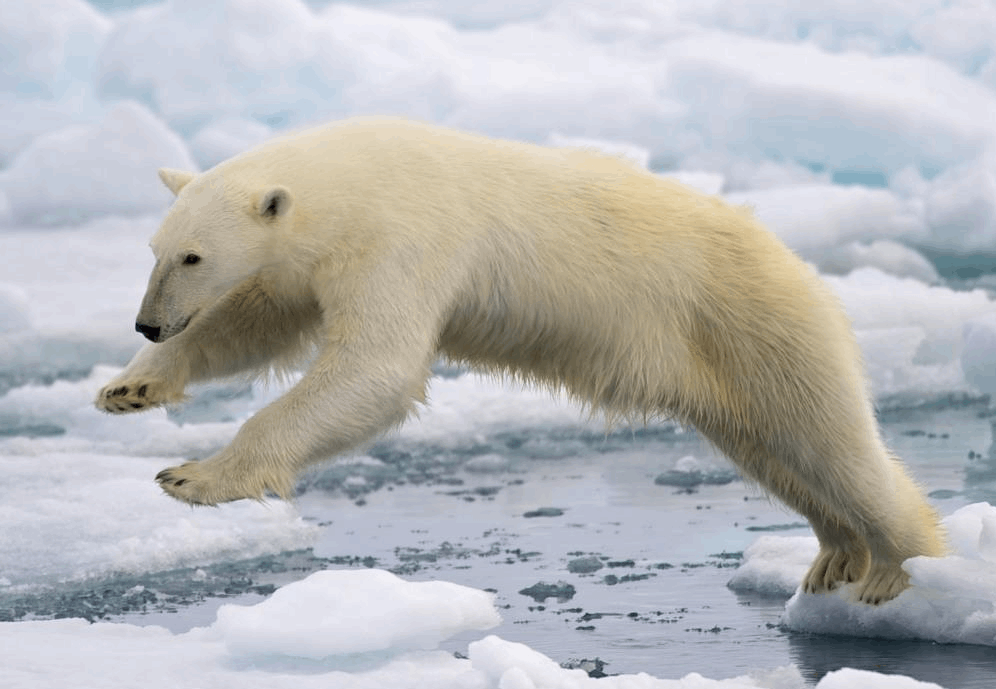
point(868, 520)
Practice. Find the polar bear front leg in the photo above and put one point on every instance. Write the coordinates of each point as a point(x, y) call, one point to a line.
point(354, 391)
point(311, 422)
point(156, 376)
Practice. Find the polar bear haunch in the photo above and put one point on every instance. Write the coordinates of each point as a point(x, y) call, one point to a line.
point(383, 244)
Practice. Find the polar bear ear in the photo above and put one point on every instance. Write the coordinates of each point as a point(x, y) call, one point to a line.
point(274, 203)
point(175, 180)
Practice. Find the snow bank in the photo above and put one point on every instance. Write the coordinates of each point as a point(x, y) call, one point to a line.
point(951, 600)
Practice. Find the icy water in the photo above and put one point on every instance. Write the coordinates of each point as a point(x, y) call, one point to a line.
point(608, 552)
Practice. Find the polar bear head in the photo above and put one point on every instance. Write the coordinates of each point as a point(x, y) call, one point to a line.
point(216, 236)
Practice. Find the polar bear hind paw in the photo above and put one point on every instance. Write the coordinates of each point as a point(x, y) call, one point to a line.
point(125, 397)
point(833, 567)
point(883, 582)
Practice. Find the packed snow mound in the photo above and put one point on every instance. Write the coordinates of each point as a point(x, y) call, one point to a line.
point(344, 612)
point(81, 171)
point(951, 599)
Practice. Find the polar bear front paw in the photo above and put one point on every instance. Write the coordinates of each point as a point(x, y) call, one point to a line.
point(210, 482)
point(125, 397)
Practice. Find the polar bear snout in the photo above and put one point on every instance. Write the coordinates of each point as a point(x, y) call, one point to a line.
point(151, 332)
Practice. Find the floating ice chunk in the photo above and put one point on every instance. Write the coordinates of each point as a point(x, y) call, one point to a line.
point(510, 665)
point(972, 531)
point(689, 473)
point(886, 255)
point(774, 565)
point(849, 678)
point(88, 170)
point(343, 612)
point(951, 599)
point(284, 648)
point(978, 355)
point(487, 464)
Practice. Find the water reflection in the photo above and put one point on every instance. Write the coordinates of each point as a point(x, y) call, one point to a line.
point(953, 666)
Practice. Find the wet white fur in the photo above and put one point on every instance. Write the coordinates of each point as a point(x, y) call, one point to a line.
point(384, 244)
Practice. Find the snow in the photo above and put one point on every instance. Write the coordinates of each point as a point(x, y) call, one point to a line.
point(863, 133)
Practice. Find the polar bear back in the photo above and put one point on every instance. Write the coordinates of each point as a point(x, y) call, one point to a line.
point(569, 267)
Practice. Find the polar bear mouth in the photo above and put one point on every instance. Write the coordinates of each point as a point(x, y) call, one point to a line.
point(175, 330)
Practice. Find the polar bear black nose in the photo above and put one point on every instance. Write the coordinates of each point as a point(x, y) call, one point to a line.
point(150, 331)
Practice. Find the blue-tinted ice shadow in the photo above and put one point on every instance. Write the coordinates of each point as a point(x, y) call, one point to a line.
point(283, 664)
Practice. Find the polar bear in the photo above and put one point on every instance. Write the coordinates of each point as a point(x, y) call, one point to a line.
point(373, 246)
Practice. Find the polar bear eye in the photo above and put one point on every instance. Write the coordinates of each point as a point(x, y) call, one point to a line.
point(191, 259)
